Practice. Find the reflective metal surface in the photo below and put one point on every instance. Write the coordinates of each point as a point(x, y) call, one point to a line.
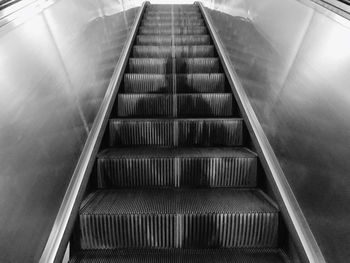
point(293, 60)
point(65, 219)
point(55, 68)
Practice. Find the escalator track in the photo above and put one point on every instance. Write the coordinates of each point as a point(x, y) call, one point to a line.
point(177, 182)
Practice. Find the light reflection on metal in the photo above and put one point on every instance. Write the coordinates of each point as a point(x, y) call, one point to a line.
point(292, 61)
point(295, 214)
point(55, 68)
point(87, 157)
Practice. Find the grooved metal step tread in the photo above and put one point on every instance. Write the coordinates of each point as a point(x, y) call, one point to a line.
point(182, 132)
point(169, 19)
point(148, 51)
point(150, 65)
point(198, 65)
point(178, 40)
point(175, 23)
point(180, 256)
point(180, 152)
point(185, 30)
point(189, 104)
point(177, 201)
point(174, 218)
point(176, 167)
point(185, 83)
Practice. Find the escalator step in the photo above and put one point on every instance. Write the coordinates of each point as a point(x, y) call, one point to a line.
point(154, 40)
point(186, 132)
point(166, 51)
point(145, 105)
point(176, 167)
point(210, 132)
point(148, 30)
point(180, 256)
point(178, 13)
point(169, 19)
point(150, 65)
point(186, 83)
point(192, 83)
point(169, 218)
point(147, 83)
point(194, 51)
point(152, 51)
point(162, 7)
point(175, 23)
point(197, 65)
point(188, 105)
point(205, 104)
point(178, 40)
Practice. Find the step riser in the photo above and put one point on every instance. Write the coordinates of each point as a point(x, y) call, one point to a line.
point(198, 65)
point(145, 105)
point(164, 65)
point(167, 19)
point(177, 23)
point(179, 231)
point(177, 172)
point(190, 83)
point(147, 83)
point(178, 40)
point(206, 83)
point(153, 66)
point(200, 105)
point(187, 133)
point(193, 105)
point(176, 30)
point(166, 51)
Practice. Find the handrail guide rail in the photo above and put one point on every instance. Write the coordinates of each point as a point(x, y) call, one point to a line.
point(294, 217)
point(62, 227)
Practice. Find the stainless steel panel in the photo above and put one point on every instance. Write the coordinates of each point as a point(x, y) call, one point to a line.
point(293, 61)
point(55, 67)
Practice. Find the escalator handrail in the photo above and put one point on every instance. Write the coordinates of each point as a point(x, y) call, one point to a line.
point(295, 219)
point(62, 227)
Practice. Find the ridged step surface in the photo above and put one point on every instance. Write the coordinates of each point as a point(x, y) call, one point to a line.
point(150, 65)
point(170, 19)
point(200, 218)
point(166, 51)
point(185, 83)
point(198, 65)
point(165, 30)
point(201, 83)
point(182, 132)
point(148, 83)
point(178, 40)
point(176, 167)
point(181, 256)
point(188, 105)
point(175, 23)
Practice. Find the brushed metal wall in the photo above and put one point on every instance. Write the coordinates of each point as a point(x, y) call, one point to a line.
point(56, 63)
point(293, 59)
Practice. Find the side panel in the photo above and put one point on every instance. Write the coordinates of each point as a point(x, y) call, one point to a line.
point(55, 68)
point(294, 62)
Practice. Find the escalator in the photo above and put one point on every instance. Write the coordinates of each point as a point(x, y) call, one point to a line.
point(176, 180)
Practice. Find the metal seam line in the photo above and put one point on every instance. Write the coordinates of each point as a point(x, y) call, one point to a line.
point(89, 151)
point(298, 220)
point(173, 65)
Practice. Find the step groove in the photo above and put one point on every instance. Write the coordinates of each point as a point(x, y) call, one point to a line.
point(176, 167)
point(200, 132)
point(156, 218)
